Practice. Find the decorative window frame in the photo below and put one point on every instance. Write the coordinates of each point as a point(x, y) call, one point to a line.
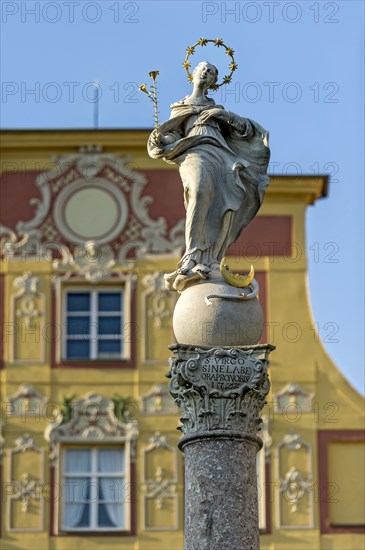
point(324, 438)
point(92, 423)
point(61, 284)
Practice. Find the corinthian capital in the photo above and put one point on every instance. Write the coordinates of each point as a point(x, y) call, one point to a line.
point(219, 390)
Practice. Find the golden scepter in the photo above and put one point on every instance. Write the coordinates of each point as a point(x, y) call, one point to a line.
point(153, 97)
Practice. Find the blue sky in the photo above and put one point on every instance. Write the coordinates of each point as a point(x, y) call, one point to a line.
point(300, 75)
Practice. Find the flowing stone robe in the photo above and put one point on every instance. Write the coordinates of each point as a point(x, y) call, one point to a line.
point(223, 167)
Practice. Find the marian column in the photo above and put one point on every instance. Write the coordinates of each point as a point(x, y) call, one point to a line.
point(218, 372)
point(220, 387)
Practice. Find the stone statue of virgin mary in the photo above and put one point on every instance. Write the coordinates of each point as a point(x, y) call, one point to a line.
point(223, 160)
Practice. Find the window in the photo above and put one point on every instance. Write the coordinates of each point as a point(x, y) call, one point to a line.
point(94, 489)
point(95, 482)
point(93, 321)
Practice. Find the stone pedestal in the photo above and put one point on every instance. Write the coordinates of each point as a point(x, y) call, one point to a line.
point(220, 393)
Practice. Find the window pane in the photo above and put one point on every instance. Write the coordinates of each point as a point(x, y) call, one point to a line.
point(78, 325)
point(111, 489)
point(77, 460)
point(110, 515)
point(109, 349)
point(110, 301)
point(78, 349)
point(111, 460)
point(77, 489)
point(77, 515)
point(110, 325)
point(78, 301)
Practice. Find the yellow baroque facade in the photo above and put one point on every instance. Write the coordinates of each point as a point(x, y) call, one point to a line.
point(89, 225)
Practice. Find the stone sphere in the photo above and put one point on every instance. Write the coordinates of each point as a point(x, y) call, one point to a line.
point(223, 323)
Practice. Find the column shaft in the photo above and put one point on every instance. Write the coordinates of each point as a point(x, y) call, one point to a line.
point(221, 509)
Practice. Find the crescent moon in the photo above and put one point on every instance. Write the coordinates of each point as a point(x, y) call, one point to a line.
point(235, 279)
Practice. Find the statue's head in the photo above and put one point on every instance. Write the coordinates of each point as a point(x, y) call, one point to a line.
point(92, 251)
point(205, 74)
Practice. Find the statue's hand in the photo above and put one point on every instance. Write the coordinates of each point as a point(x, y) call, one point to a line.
point(218, 114)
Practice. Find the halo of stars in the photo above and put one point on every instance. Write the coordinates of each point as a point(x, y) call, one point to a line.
point(219, 43)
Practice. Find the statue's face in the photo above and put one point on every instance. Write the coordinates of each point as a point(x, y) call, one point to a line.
point(204, 75)
point(91, 250)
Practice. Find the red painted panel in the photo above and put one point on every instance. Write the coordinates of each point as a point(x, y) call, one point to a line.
point(16, 191)
point(264, 236)
point(167, 191)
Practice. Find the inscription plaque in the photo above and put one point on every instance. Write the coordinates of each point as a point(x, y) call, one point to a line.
point(222, 369)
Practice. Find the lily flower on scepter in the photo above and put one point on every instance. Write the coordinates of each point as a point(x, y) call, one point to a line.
point(153, 97)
